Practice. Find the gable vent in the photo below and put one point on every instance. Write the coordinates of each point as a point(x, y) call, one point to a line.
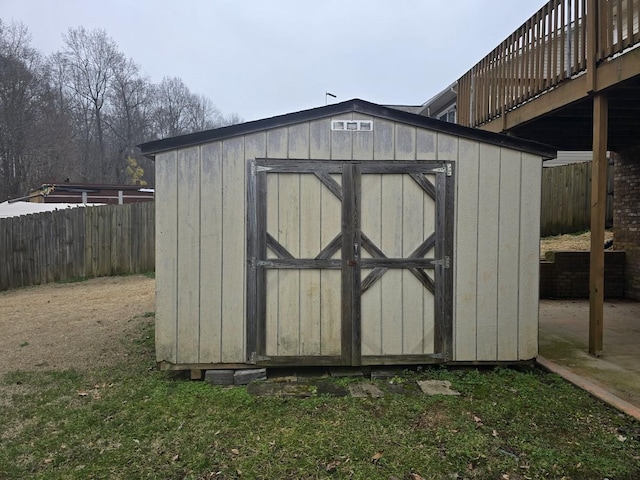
point(352, 125)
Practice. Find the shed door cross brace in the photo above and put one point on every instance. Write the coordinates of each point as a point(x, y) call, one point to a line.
point(352, 241)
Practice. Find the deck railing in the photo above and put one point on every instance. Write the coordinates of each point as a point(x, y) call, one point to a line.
point(561, 41)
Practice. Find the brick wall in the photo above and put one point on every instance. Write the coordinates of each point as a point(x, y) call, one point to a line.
point(626, 215)
point(566, 275)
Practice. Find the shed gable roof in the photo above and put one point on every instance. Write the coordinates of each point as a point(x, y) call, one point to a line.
point(150, 149)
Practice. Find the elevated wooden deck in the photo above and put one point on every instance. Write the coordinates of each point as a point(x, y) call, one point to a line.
point(568, 77)
point(540, 82)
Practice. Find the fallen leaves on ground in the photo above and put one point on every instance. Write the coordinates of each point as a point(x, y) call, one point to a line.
point(332, 466)
point(376, 458)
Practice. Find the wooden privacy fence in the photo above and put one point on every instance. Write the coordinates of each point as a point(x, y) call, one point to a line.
point(77, 242)
point(566, 199)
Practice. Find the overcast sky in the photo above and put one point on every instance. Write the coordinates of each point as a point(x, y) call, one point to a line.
point(265, 58)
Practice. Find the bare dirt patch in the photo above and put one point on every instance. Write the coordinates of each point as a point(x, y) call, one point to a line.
point(72, 326)
point(436, 416)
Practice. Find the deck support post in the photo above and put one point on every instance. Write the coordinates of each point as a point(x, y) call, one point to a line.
point(598, 209)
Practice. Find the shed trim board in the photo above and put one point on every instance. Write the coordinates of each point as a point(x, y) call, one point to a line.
point(351, 242)
point(150, 149)
point(296, 244)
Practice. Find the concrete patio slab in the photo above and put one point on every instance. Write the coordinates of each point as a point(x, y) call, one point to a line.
point(563, 341)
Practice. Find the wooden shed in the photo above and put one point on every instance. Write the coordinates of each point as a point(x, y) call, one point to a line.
point(351, 234)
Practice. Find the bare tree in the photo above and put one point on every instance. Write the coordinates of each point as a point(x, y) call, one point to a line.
point(90, 60)
point(31, 132)
point(178, 111)
point(203, 114)
point(62, 108)
point(80, 114)
point(232, 119)
point(17, 86)
point(127, 116)
point(172, 101)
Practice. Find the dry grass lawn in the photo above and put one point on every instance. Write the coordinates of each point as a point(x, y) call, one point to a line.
point(74, 325)
point(571, 242)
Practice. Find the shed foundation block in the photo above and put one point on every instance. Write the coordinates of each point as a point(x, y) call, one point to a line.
point(219, 377)
point(245, 377)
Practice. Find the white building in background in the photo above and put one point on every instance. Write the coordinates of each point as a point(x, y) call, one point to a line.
point(15, 209)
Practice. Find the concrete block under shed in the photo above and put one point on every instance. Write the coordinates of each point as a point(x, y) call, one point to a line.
point(386, 373)
point(245, 377)
point(219, 377)
point(338, 372)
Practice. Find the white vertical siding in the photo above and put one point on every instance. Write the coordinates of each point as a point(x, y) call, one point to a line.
point(371, 225)
point(330, 288)
point(234, 245)
point(289, 280)
point(363, 142)
point(508, 249)
point(277, 143)
point(426, 144)
point(309, 328)
point(530, 184)
point(166, 199)
point(310, 247)
point(384, 140)
point(392, 279)
point(341, 141)
point(413, 315)
point(290, 334)
point(487, 241)
point(188, 255)
point(320, 139)
point(405, 142)
point(466, 251)
point(330, 280)
point(211, 253)
point(498, 218)
point(397, 311)
point(277, 147)
point(299, 141)
point(297, 216)
point(447, 147)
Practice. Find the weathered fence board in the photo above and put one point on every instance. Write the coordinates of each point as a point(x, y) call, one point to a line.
point(77, 242)
point(566, 196)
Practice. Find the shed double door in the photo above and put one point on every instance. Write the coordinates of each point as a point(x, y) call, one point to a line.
point(349, 263)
